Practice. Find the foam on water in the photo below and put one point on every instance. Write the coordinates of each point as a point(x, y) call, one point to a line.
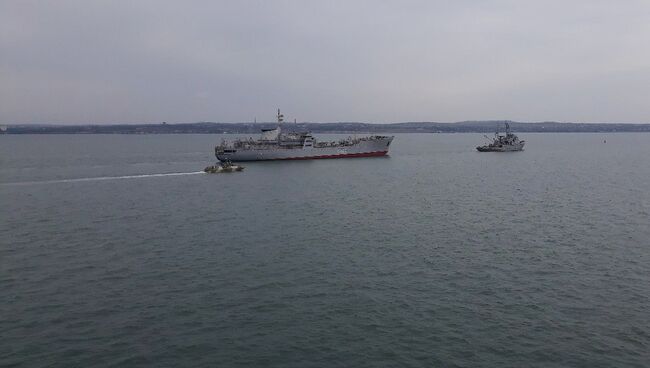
point(100, 178)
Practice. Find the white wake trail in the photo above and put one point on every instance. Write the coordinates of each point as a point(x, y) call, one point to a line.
point(99, 178)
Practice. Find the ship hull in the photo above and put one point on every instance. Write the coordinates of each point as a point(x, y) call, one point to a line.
point(344, 155)
point(369, 148)
point(505, 148)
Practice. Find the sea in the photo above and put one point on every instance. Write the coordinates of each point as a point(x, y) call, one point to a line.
point(117, 251)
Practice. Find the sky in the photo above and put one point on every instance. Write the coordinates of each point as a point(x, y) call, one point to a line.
point(138, 61)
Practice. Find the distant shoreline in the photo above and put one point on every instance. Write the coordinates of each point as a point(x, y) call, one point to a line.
point(332, 128)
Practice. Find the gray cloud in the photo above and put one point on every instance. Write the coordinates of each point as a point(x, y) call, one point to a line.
point(376, 61)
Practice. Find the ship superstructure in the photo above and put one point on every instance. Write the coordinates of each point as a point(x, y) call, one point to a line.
point(273, 144)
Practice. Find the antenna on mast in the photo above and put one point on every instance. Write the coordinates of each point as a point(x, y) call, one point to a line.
point(280, 117)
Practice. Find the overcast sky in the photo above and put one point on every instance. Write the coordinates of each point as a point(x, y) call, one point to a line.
point(372, 61)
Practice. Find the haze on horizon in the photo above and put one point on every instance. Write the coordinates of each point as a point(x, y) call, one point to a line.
point(143, 61)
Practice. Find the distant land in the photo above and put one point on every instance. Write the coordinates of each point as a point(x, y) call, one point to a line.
point(252, 128)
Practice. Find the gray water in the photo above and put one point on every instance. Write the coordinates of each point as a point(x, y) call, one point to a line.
point(437, 256)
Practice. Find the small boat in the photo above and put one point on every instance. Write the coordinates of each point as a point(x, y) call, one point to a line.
point(503, 143)
point(223, 167)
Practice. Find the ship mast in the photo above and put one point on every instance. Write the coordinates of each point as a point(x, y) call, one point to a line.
point(280, 117)
point(280, 120)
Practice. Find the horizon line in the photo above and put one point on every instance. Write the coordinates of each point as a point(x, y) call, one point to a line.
point(317, 122)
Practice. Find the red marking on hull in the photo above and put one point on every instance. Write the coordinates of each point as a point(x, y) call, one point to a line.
point(342, 155)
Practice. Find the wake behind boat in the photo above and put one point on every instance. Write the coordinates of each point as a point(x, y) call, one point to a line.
point(276, 145)
point(503, 143)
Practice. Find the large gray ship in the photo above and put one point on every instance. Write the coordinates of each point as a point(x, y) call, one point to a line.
point(503, 143)
point(276, 145)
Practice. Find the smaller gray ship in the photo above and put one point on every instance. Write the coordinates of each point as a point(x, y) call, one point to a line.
point(503, 143)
